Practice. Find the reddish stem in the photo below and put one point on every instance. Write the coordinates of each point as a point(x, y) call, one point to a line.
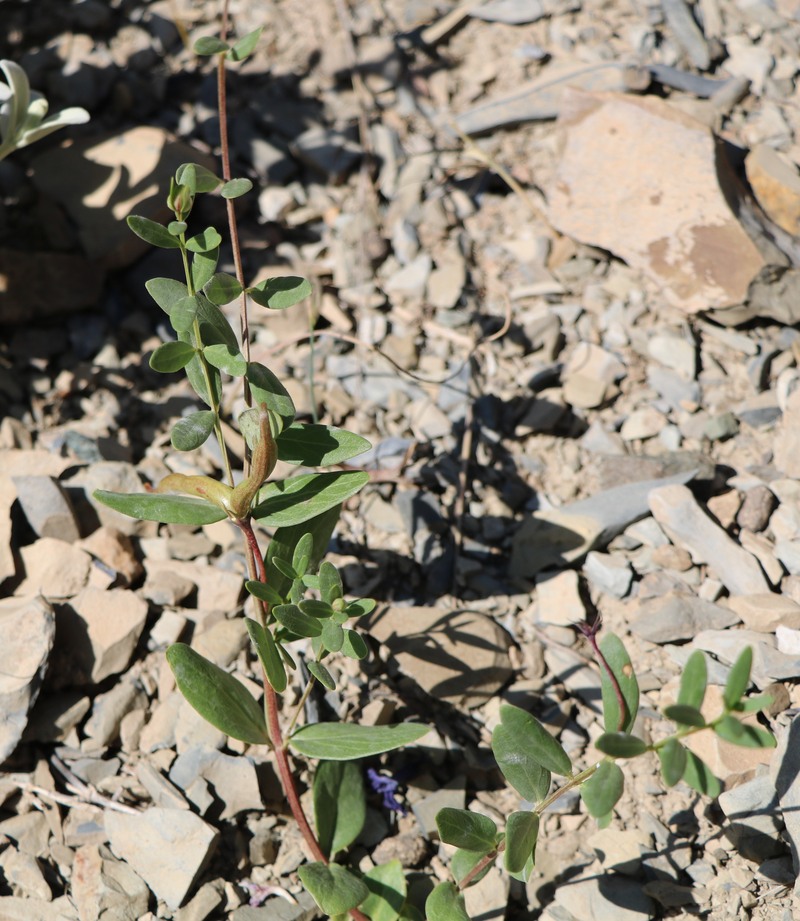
point(590, 632)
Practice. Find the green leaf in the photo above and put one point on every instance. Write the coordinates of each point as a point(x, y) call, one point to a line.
point(315, 608)
point(387, 892)
point(620, 664)
point(166, 509)
point(334, 889)
point(446, 903)
point(517, 759)
point(699, 776)
point(268, 654)
point(264, 591)
point(176, 228)
point(340, 804)
point(354, 646)
point(266, 388)
point(322, 675)
point(301, 556)
point(205, 241)
point(204, 179)
point(522, 830)
point(463, 862)
point(285, 540)
point(754, 704)
point(245, 47)
point(214, 326)
point(318, 445)
point(466, 829)
point(685, 715)
point(193, 430)
point(694, 679)
point(332, 636)
point(330, 582)
point(210, 44)
point(151, 232)
point(280, 292)
point(744, 734)
point(360, 607)
point(348, 741)
point(672, 756)
point(203, 267)
point(236, 188)
point(172, 356)
point(621, 745)
point(222, 289)
point(603, 789)
point(285, 569)
point(217, 696)
point(223, 357)
point(537, 742)
point(738, 678)
point(166, 292)
point(291, 617)
point(293, 501)
point(182, 314)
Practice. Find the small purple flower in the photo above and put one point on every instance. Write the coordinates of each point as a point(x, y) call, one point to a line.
point(387, 787)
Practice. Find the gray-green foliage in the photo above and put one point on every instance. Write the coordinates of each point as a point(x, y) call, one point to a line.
point(23, 112)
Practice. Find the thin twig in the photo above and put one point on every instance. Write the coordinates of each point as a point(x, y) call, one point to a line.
point(86, 793)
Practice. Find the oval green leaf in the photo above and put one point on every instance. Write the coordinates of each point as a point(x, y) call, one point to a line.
point(738, 678)
point(151, 232)
point(315, 608)
point(172, 356)
point(203, 267)
point(300, 498)
point(176, 228)
point(204, 241)
point(340, 804)
point(620, 745)
point(166, 509)
point(732, 730)
point(466, 829)
point(322, 675)
point(519, 763)
point(268, 654)
point(387, 892)
point(685, 715)
point(193, 430)
point(318, 445)
point(333, 888)
point(535, 741)
point(620, 664)
point(280, 292)
point(235, 188)
point(267, 389)
point(672, 756)
point(346, 742)
point(446, 903)
point(463, 862)
point(699, 777)
point(226, 359)
point(242, 50)
point(264, 592)
point(204, 180)
point(694, 680)
point(209, 44)
point(332, 636)
point(603, 789)
point(217, 696)
point(360, 607)
point(291, 617)
point(522, 830)
point(330, 582)
point(166, 292)
point(222, 289)
point(354, 646)
point(182, 314)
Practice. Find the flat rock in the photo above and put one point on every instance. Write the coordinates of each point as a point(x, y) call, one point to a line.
point(621, 850)
point(676, 510)
point(766, 613)
point(590, 375)
point(786, 779)
point(752, 810)
point(109, 709)
point(115, 550)
point(608, 572)
point(99, 631)
point(54, 568)
point(769, 664)
point(558, 599)
point(776, 183)
point(787, 439)
point(604, 898)
point(23, 874)
point(168, 848)
point(682, 232)
point(103, 887)
point(459, 656)
point(28, 629)
point(47, 508)
point(557, 537)
point(676, 617)
point(17, 908)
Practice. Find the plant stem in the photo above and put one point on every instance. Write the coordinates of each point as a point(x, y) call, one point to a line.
point(591, 636)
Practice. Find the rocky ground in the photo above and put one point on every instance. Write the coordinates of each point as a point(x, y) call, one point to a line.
point(553, 245)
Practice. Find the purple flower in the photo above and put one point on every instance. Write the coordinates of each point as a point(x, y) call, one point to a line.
point(387, 787)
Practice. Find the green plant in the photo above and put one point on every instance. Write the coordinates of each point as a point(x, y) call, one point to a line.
point(296, 595)
point(22, 112)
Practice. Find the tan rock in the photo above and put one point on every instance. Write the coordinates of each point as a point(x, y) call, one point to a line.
point(787, 439)
point(106, 888)
point(640, 178)
point(776, 182)
point(766, 612)
point(54, 568)
point(459, 656)
point(590, 375)
point(8, 496)
point(558, 599)
point(114, 549)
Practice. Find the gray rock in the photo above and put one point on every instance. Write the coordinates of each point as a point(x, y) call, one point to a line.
point(278, 909)
point(28, 630)
point(604, 898)
point(162, 792)
point(451, 795)
point(675, 617)
point(209, 898)
point(769, 664)
point(328, 150)
point(785, 775)
point(676, 510)
point(106, 888)
point(671, 387)
point(109, 709)
point(23, 874)
point(751, 809)
point(16, 908)
point(759, 503)
point(558, 537)
point(721, 427)
point(687, 33)
point(168, 848)
point(610, 573)
point(47, 508)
